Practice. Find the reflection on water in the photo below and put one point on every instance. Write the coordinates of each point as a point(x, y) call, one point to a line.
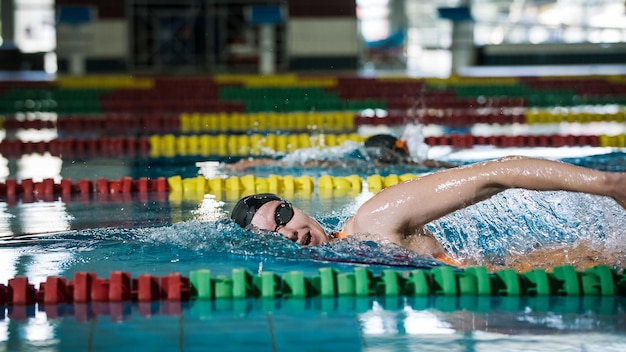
point(30, 217)
point(370, 324)
point(43, 217)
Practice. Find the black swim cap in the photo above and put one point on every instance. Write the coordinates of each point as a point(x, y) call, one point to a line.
point(386, 141)
point(246, 207)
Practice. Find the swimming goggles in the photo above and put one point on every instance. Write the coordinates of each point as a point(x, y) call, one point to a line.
point(283, 214)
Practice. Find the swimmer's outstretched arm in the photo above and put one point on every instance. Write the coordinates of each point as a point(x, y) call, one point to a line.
point(404, 208)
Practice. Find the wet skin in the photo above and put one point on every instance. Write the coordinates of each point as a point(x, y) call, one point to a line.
point(302, 229)
point(399, 213)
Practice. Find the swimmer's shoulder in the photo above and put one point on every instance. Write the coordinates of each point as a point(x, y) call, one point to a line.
point(346, 231)
point(350, 229)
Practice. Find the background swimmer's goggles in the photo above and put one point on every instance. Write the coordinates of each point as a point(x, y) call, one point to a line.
point(400, 146)
point(246, 207)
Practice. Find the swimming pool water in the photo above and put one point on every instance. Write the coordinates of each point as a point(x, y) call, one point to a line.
point(356, 324)
point(159, 234)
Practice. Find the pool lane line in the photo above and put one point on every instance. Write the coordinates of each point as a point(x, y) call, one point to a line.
point(444, 281)
point(258, 145)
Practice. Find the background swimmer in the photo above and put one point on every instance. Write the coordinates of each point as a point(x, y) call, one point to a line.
point(399, 213)
point(381, 149)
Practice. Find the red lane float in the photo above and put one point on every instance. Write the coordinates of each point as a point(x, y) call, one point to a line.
point(74, 147)
point(398, 112)
point(124, 124)
point(468, 141)
point(168, 105)
point(87, 287)
point(47, 187)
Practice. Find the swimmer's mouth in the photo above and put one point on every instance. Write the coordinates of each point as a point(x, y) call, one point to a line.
point(307, 240)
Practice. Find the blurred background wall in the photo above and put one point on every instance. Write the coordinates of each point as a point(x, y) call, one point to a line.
point(428, 38)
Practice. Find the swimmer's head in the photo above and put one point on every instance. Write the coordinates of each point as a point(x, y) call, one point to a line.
point(269, 212)
point(246, 207)
point(387, 148)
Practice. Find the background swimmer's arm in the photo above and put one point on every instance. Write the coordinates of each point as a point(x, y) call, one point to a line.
point(414, 203)
point(435, 164)
point(247, 163)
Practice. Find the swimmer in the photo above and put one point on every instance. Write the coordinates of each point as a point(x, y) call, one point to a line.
point(399, 213)
point(382, 149)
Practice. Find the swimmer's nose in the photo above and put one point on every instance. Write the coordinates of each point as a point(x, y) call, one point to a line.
point(291, 235)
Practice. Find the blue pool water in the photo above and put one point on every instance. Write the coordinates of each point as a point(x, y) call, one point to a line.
point(157, 234)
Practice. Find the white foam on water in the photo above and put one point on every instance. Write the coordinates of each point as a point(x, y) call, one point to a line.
point(413, 135)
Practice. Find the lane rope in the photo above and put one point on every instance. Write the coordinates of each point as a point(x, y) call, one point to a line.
point(361, 282)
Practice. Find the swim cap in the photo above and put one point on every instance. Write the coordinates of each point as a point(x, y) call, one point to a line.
point(386, 148)
point(246, 207)
point(386, 141)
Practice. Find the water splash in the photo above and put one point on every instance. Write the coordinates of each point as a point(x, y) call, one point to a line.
point(158, 248)
point(517, 223)
point(225, 237)
point(413, 135)
point(513, 224)
point(304, 155)
point(347, 159)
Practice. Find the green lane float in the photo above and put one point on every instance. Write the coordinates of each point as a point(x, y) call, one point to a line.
point(598, 281)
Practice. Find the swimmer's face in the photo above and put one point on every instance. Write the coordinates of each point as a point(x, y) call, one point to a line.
point(300, 228)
